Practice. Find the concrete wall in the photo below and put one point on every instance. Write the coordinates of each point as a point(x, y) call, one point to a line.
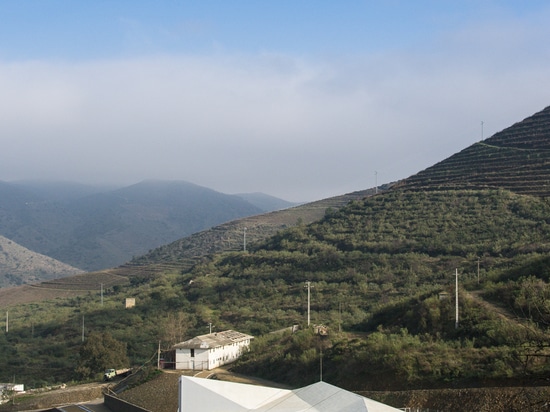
point(210, 358)
point(198, 362)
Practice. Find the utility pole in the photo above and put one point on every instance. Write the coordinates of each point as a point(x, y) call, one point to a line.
point(456, 299)
point(158, 357)
point(375, 182)
point(7, 321)
point(210, 324)
point(101, 294)
point(339, 316)
point(321, 363)
point(308, 283)
point(244, 239)
point(82, 328)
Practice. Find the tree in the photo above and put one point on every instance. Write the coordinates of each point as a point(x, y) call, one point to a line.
point(175, 327)
point(101, 351)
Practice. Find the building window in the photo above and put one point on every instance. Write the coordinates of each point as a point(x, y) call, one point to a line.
point(192, 353)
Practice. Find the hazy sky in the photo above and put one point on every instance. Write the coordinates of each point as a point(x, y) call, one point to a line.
point(295, 98)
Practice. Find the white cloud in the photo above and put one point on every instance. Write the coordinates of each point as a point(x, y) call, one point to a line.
point(299, 128)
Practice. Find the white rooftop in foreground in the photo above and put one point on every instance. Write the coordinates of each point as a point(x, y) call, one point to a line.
point(205, 395)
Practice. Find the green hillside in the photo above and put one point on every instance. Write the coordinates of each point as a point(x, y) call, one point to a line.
point(382, 271)
point(377, 268)
point(230, 236)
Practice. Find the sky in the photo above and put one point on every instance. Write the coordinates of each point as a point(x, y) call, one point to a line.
point(298, 99)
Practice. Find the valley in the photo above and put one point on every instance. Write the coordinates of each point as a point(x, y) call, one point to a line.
point(382, 267)
point(93, 228)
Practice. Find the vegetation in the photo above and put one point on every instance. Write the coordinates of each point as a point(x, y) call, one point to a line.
point(99, 353)
point(136, 236)
point(376, 268)
point(382, 271)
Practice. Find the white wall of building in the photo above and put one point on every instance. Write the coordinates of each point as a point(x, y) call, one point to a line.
point(210, 358)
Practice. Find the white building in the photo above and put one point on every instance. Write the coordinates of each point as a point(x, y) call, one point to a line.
point(211, 351)
point(7, 390)
point(205, 395)
point(15, 387)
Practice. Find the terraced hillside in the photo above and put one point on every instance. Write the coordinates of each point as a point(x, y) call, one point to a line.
point(181, 254)
point(230, 236)
point(517, 159)
point(64, 287)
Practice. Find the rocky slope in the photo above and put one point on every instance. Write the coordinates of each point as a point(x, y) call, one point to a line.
point(19, 265)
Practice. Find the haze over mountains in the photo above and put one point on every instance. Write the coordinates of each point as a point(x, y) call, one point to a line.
point(92, 228)
point(378, 263)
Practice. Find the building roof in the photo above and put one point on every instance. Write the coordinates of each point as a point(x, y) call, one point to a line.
point(213, 340)
point(205, 395)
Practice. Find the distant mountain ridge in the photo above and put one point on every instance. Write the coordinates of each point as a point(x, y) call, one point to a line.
point(95, 229)
point(61, 190)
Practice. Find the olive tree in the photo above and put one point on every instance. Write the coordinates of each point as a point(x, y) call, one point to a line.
point(100, 351)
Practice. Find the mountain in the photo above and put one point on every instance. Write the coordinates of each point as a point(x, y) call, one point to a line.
point(94, 229)
point(13, 197)
point(186, 252)
point(234, 235)
point(428, 284)
point(384, 268)
point(60, 191)
point(516, 159)
point(19, 265)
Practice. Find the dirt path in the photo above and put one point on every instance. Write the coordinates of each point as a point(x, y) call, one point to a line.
point(506, 315)
point(501, 312)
